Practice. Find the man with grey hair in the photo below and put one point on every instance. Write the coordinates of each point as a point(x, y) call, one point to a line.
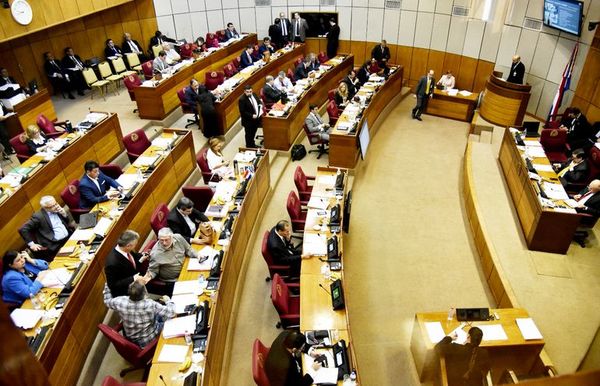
point(282, 83)
point(48, 229)
point(123, 265)
point(517, 70)
point(167, 258)
point(270, 92)
point(184, 219)
point(142, 318)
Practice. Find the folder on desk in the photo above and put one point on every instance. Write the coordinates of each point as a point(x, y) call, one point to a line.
point(528, 329)
point(179, 326)
point(26, 318)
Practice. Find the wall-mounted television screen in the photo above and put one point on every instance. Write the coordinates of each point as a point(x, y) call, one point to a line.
point(564, 15)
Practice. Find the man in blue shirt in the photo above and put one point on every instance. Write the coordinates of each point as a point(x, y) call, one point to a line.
point(94, 186)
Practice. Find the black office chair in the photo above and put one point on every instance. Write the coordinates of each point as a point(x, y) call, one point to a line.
point(587, 222)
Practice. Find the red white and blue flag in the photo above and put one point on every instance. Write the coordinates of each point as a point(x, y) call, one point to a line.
point(565, 83)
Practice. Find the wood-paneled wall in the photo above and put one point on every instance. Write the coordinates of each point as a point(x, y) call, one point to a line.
point(470, 73)
point(23, 57)
point(587, 95)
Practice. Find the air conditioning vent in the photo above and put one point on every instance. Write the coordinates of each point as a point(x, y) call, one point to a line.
point(393, 4)
point(459, 10)
point(263, 3)
point(328, 3)
point(533, 24)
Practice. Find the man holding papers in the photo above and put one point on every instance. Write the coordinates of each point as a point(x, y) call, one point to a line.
point(123, 265)
point(142, 318)
point(466, 364)
point(281, 248)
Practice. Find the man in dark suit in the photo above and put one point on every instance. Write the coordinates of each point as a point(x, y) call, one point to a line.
point(517, 70)
point(303, 69)
point(286, 28)
point(111, 50)
point(266, 46)
point(159, 39)
point(271, 93)
point(132, 46)
point(381, 53)
point(58, 78)
point(250, 110)
point(573, 171)
point(299, 29)
point(333, 38)
point(275, 33)
point(94, 186)
point(281, 248)
point(6, 79)
point(424, 91)
point(588, 199)
point(48, 229)
point(123, 265)
point(579, 130)
point(73, 66)
point(192, 97)
point(352, 82)
point(246, 59)
point(230, 32)
point(4, 140)
point(283, 364)
point(185, 220)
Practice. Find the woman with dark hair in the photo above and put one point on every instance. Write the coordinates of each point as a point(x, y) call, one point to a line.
point(207, 100)
point(22, 276)
point(466, 364)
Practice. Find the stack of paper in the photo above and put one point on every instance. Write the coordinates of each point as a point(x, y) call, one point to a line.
point(493, 332)
point(317, 203)
point(535, 152)
point(26, 318)
point(56, 278)
point(162, 142)
point(555, 191)
point(83, 234)
point(146, 160)
point(325, 375)
point(102, 226)
point(179, 326)
point(543, 167)
point(315, 244)
point(12, 179)
point(528, 329)
point(465, 93)
point(172, 353)
point(184, 300)
point(186, 287)
point(127, 180)
point(205, 265)
point(435, 331)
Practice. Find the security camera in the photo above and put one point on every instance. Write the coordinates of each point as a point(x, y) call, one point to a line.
point(592, 25)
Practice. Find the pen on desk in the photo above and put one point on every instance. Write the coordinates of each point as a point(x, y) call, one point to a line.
point(162, 379)
point(324, 289)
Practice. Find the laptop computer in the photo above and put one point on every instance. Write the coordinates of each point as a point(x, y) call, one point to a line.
point(531, 128)
point(88, 220)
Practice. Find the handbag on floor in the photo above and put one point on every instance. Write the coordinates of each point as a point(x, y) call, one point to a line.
point(298, 152)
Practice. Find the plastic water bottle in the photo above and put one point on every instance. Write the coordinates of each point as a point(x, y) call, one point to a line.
point(84, 254)
point(35, 302)
point(140, 176)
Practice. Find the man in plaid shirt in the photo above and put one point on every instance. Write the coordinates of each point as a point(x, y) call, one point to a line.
point(143, 318)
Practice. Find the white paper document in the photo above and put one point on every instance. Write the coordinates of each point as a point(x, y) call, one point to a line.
point(528, 329)
point(26, 318)
point(173, 353)
point(83, 234)
point(327, 374)
point(179, 326)
point(464, 93)
point(326, 180)
point(535, 152)
point(435, 331)
point(532, 143)
point(162, 142)
point(318, 203)
point(461, 335)
point(56, 278)
point(555, 191)
point(127, 180)
point(315, 244)
point(146, 160)
point(181, 301)
point(186, 287)
point(196, 265)
point(493, 332)
point(102, 226)
point(543, 168)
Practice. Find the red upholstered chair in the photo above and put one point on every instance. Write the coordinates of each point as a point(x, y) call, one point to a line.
point(186, 50)
point(331, 94)
point(554, 121)
point(374, 67)
point(333, 113)
point(315, 139)
point(212, 40)
point(203, 165)
point(286, 304)
point(259, 357)
point(297, 214)
point(135, 144)
point(110, 381)
point(322, 57)
point(255, 54)
point(48, 127)
point(283, 270)
point(594, 162)
point(187, 109)
point(213, 79)
point(229, 70)
point(236, 62)
point(158, 220)
point(200, 196)
point(220, 34)
point(301, 182)
point(290, 75)
point(554, 142)
point(268, 106)
point(132, 82)
point(298, 60)
point(148, 70)
point(22, 150)
point(114, 171)
point(131, 352)
point(70, 195)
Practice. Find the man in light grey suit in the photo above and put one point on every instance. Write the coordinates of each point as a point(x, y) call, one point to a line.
point(299, 28)
point(315, 124)
point(159, 64)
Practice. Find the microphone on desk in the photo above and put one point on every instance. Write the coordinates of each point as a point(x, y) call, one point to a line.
point(325, 289)
point(162, 379)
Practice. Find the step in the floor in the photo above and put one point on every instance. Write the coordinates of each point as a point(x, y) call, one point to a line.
point(485, 137)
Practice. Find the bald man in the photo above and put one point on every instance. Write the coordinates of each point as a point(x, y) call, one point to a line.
point(517, 71)
point(588, 200)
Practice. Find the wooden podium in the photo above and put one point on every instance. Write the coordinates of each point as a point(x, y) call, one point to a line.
point(504, 103)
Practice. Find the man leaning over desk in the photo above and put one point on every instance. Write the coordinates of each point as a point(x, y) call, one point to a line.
point(94, 186)
point(123, 265)
point(282, 250)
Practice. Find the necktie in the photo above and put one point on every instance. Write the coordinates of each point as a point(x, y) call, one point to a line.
point(428, 85)
point(131, 259)
point(589, 193)
point(565, 170)
point(133, 47)
point(78, 63)
point(318, 118)
point(382, 50)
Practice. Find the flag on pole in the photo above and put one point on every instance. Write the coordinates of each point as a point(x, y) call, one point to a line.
point(565, 83)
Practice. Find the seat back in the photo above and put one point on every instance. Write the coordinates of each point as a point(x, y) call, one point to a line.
point(131, 82)
point(553, 139)
point(332, 112)
point(229, 70)
point(135, 144)
point(213, 79)
point(298, 60)
point(148, 70)
point(212, 40)
point(322, 57)
point(203, 165)
point(156, 49)
point(158, 220)
point(133, 59)
point(200, 196)
point(46, 125)
point(280, 295)
point(186, 50)
point(259, 357)
point(18, 143)
point(220, 34)
point(294, 207)
point(104, 69)
point(264, 248)
point(128, 350)
point(236, 62)
point(119, 65)
point(70, 195)
point(90, 76)
point(594, 162)
point(114, 171)
point(290, 74)
point(300, 180)
point(313, 138)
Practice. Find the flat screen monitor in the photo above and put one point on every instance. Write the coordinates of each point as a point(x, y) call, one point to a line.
point(364, 139)
point(564, 15)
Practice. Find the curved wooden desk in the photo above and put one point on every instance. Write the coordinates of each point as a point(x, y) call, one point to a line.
point(227, 108)
point(28, 110)
point(281, 132)
point(157, 102)
point(343, 146)
point(504, 103)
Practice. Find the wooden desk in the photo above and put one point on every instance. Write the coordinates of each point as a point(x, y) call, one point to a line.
point(515, 353)
point(343, 146)
point(67, 346)
point(281, 132)
point(102, 144)
point(223, 308)
point(545, 229)
point(457, 106)
point(158, 102)
point(28, 110)
point(227, 108)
